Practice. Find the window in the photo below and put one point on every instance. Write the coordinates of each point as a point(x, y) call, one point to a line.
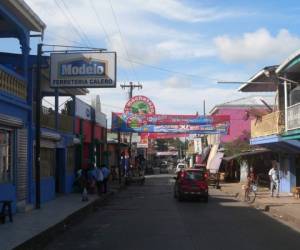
point(6, 167)
point(48, 162)
point(194, 175)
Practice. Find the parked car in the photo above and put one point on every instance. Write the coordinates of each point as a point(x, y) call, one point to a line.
point(179, 167)
point(164, 169)
point(191, 183)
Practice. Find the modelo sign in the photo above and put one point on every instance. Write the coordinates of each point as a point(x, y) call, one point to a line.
point(83, 70)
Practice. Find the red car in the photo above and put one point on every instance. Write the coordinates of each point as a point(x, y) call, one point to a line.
point(191, 183)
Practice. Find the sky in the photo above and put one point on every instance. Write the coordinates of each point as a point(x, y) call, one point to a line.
point(177, 49)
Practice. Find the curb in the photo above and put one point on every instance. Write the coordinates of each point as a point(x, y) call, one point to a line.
point(42, 239)
point(269, 209)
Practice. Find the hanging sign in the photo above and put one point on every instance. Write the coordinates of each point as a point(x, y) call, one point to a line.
point(140, 105)
point(83, 70)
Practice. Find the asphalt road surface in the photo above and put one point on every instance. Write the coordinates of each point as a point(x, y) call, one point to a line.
point(149, 218)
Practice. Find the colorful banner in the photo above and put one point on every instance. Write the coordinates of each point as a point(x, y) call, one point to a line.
point(138, 120)
point(181, 129)
point(163, 135)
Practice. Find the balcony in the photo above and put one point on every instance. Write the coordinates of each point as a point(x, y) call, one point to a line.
point(293, 117)
point(270, 124)
point(12, 84)
point(48, 120)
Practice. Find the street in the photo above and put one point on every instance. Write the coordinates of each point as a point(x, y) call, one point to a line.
point(148, 217)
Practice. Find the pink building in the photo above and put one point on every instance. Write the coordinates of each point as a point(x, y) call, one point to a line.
point(241, 112)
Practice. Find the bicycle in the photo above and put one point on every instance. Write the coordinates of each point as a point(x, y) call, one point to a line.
point(250, 193)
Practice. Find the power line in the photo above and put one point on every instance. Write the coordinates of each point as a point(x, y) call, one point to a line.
point(75, 21)
point(123, 42)
point(69, 19)
point(107, 37)
point(52, 35)
point(170, 71)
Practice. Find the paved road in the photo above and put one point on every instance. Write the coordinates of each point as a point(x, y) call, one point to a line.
point(148, 217)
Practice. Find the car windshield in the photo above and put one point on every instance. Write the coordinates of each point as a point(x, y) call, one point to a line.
point(194, 175)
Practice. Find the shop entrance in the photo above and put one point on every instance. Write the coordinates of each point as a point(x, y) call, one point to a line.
point(60, 170)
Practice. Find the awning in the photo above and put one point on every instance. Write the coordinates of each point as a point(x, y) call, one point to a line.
point(254, 152)
point(212, 154)
point(215, 163)
point(11, 121)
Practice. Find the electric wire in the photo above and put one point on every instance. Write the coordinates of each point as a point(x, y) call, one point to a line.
point(101, 25)
point(69, 19)
point(76, 23)
point(122, 39)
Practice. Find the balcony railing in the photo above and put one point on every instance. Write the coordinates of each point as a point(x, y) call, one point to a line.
point(48, 120)
point(293, 117)
point(270, 124)
point(12, 84)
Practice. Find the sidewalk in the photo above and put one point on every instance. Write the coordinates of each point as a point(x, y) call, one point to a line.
point(285, 207)
point(32, 229)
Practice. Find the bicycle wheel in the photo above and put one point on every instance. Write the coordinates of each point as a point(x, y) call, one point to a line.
point(251, 196)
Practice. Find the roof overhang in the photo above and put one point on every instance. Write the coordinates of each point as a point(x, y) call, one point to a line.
point(247, 153)
point(291, 64)
point(25, 14)
point(263, 81)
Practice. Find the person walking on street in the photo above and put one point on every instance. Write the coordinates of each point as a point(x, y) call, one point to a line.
point(106, 172)
point(99, 180)
point(274, 179)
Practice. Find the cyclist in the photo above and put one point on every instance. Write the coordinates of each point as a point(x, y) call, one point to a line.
point(251, 179)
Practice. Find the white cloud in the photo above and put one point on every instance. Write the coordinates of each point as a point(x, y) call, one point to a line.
point(176, 10)
point(256, 46)
point(143, 38)
point(177, 82)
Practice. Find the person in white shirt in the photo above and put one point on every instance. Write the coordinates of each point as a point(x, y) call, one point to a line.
point(274, 179)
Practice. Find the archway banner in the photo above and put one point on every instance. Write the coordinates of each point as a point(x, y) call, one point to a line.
point(163, 135)
point(119, 125)
point(137, 120)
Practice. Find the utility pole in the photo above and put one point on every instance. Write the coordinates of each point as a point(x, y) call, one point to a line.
point(131, 87)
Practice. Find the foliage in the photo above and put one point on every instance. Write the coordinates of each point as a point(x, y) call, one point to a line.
point(238, 146)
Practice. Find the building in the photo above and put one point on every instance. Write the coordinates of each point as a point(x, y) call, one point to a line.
point(279, 130)
point(241, 112)
point(16, 135)
point(91, 129)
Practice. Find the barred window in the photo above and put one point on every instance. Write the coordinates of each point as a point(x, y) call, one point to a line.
point(48, 162)
point(6, 161)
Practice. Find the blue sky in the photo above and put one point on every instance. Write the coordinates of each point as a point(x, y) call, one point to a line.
point(177, 49)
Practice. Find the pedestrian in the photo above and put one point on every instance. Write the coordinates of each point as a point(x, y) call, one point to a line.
point(83, 180)
point(99, 180)
point(274, 179)
point(106, 172)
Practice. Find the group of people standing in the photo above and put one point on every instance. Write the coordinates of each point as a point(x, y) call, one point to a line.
point(93, 180)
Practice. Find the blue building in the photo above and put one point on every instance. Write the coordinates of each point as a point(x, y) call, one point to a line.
point(17, 21)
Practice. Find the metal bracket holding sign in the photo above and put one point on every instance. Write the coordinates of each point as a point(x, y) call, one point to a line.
point(83, 70)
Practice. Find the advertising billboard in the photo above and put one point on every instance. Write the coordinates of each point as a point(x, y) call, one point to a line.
point(83, 70)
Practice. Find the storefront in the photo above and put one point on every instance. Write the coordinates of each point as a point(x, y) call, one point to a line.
point(17, 22)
